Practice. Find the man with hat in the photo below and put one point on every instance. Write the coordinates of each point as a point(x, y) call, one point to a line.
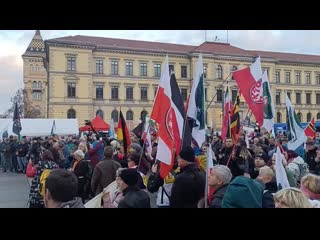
point(134, 197)
point(261, 159)
point(189, 184)
point(311, 154)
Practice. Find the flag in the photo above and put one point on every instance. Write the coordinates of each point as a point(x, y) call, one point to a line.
point(168, 112)
point(226, 131)
point(235, 121)
point(249, 81)
point(196, 108)
point(281, 175)
point(16, 128)
point(310, 130)
point(295, 133)
point(123, 133)
point(268, 106)
point(53, 128)
point(138, 130)
point(146, 137)
point(209, 190)
point(111, 130)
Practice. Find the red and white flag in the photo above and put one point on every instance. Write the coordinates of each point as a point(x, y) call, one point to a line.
point(226, 130)
point(250, 82)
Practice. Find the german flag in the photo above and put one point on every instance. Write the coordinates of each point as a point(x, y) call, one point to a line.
point(123, 133)
point(310, 130)
point(235, 121)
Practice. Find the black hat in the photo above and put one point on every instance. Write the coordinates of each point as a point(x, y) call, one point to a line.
point(187, 154)
point(130, 176)
point(263, 156)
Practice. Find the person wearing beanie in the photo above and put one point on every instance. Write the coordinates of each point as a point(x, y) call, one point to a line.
point(261, 159)
point(311, 154)
point(243, 192)
point(133, 196)
point(188, 187)
point(105, 171)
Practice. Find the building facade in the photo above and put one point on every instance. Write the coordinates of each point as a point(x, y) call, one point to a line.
point(80, 77)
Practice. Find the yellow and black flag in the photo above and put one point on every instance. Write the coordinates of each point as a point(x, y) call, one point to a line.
point(123, 133)
point(235, 121)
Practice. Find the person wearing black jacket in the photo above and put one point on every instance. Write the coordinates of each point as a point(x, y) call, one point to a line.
point(225, 152)
point(189, 185)
point(22, 150)
point(266, 179)
point(133, 196)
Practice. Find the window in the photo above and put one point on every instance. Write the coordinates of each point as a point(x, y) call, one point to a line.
point(183, 71)
point(219, 95)
point(157, 70)
point(129, 68)
point(289, 95)
point(171, 68)
point(99, 91)
point(234, 95)
point(318, 115)
point(31, 68)
point(99, 66)
point(114, 68)
point(115, 116)
point(36, 85)
point(205, 69)
point(36, 95)
point(308, 98)
point(318, 98)
point(206, 94)
point(184, 94)
point(71, 113)
point(309, 116)
point(144, 93)
point(143, 69)
point(288, 77)
point(318, 78)
point(71, 66)
point(71, 90)
point(233, 69)
point(129, 115)
point(278, 98)
point(265, 69)
point(100, 113)
point(114, 93)
point(279, 119)
point(277, 77)
point(219, 72)
point(308, 78)
point(129, 93)
point(299, 115)
point(298, 98)
point(298, 78)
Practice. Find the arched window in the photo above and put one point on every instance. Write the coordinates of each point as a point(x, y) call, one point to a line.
point(143, 115)
point(279, 118)
point(219, 72)
point(129, 115)
point(71, 113)
point(309, 116)
point(34, 84)
point(115, 116)
point(299, 115)
point(318, 116)
point(100, 113)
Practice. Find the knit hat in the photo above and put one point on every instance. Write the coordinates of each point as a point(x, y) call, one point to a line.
point(263, 156)
point(187, 154)
point(243, 192)
point(130, 176)
point(136, 147)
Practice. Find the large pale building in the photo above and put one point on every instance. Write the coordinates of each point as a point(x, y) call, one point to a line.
point(81, 76)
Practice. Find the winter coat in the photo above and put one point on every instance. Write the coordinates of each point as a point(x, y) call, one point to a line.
point(269, 190)
point(22, 150)
point(93, 154)
point(218, 196)
point(133, 197)
point(103, 174)
point(188, 187)
point(310, 157)
point(83, 172)
point(75, 203)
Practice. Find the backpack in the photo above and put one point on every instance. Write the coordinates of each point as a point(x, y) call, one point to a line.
point(303, 169)
point(43, 177)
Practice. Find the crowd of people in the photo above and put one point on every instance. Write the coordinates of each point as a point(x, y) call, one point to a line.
point(67, 172)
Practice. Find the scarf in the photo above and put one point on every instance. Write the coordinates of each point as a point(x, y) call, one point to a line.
point(309, 194)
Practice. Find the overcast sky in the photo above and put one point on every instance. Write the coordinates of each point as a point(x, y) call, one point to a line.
point(14, 43)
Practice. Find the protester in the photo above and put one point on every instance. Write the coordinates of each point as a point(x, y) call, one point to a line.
point(267, 178)
point(310, 186)
point(291, 198)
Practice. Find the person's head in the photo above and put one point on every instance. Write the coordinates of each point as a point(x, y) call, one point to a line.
point(256, 140)
point(310, 186)
point(204, 147)
point(266, 174)
point(271, 141)
point(78, 155)
point(318, 153)
point(135, 147)
point(115, 145)
point(229, 142)
point(260, 159)
point(215, 138)
point(291, 198)
point(133, 159)
point(128, 178)
point(291, 155)
point(47, 156)
point(220, 175)
point(61, 186)
point(154, 150)
point(310, 144)
point(108, 152)
point(83, 147)
point(118, 172)
point(186, 156)
point(284, 141)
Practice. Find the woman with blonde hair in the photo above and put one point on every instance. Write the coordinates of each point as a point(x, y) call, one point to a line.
point(310, 186)
point(291, 198)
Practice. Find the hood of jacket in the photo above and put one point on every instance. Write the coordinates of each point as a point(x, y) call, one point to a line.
point(75, 203)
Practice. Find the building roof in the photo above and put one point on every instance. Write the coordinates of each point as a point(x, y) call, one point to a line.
point(206, 47)
point(36, 47)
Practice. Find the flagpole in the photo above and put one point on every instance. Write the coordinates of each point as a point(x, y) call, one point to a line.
point(143, 146)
